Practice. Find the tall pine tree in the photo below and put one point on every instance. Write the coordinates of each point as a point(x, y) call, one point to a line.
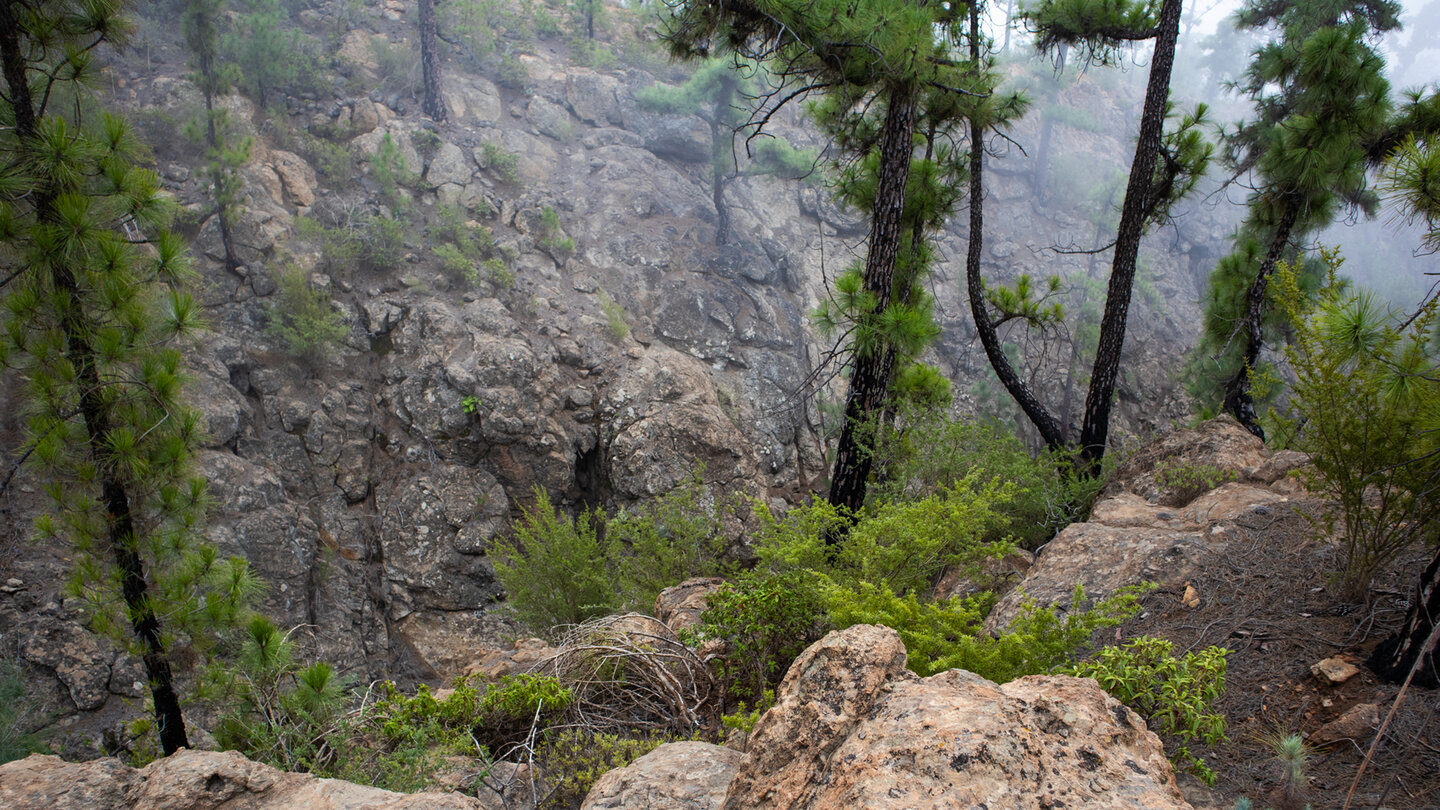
point(1320, 97)
point(92, 309)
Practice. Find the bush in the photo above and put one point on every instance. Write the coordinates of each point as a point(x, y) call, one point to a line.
point(1176, 696)
point(573, 760)
point(505, 164)
point(616, 321)
point(303, 318)
point(1181, 482)
point(931, 452)
point(552, 237)
point(1365, 404)
point(15, 709)
point(557, 571)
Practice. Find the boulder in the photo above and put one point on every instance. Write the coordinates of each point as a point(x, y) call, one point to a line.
point(77, 657)
point(197, 780)
point(853, 728)
point(675, 776)
point(680, 606)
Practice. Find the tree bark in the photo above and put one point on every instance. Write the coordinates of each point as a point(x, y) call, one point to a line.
point(434, 104)
point(1238, 402)
point(118, 516)
point(1393, 659)
point(871, 373)
point(1094, 431)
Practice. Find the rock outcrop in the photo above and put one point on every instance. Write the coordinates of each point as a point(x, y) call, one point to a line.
point(1149, 529)
point(198, 780)
point(675, 776)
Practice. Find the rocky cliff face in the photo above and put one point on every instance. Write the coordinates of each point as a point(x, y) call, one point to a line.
point(365, 488)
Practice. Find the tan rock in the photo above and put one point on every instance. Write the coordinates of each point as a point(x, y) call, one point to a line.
point(1355, 725)
point(1334, 670)
point(853, 728)
point(198, 780)
point(76, 656)
point(675, 776)
point(680, 606)
point(296, 175)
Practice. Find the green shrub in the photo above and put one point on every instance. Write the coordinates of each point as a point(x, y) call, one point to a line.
point(616, 320)
point(573, 760)
point(499, 274)
point(15, 710)
point(558, 571)
point(553, 239)
point(304, 319)
point(382, 243)
point(765, 619)
point(455, 264)
point(1176, 696)
point(932, 452)
point(1365, 405)
point(1182, 482)
point(505, 164)
point(555, 570)
point(390, 171)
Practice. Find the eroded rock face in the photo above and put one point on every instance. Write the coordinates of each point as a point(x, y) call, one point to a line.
point(675, 776)
point(680, 606)
point(853, 728)
point(197, 780)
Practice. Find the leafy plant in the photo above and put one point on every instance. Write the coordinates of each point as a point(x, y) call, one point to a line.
point(504, 163)
point(1176, 696)
point(1181, 482)
point(304, 319)
point(554, 569)
point(470, 404)
point(1365, 404)
point(388, 167)
point(575, 759)
point(552, 237)
point(616, 320)
point(15, 710)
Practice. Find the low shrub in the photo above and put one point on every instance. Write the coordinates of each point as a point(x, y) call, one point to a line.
point(1176, 696)
point(304, 319)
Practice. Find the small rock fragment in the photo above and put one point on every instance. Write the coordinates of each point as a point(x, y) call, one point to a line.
point(1357, 724)
point(1334, 670)
point(1191, 599)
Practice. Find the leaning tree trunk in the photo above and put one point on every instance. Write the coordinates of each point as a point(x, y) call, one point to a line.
point(1238, 402)
point(871, 372)
point(1393, 659)
point(1042, 419)
point(434, 104)
point(1095, 430)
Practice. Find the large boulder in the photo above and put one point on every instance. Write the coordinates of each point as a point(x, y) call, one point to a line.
point(197, 780)
point(853, 728)
point(675, 776)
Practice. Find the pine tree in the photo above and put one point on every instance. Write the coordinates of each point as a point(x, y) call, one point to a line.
point(880, 66)
point(214, 78)
point(92, 310)
point(1163, 170)
point(1320, 97)
point(716, 93)
point(434, 103)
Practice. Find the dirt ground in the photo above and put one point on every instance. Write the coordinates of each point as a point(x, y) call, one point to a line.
point(1271, 601)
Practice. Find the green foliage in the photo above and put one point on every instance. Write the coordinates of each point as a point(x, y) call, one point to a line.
point(553, 568)
point(1181, 482)
point(504, 163)
point(388, 168)
point(558, 571)
point(616, 321)
point(277, 712)
point(269, 55)
point(576, 758)
point(552, 237)
point(1176, 696)
point(304, 318)
point(397, 65)
point(745, 717)
point(470, 404)
point(463, 247)
point(765, 619)
point(932, 453)
point(1292, 756)
point(1365, 405)
point(15, 715)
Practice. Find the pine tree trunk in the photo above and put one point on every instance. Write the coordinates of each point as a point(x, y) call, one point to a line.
point(1095, 430)
point(1049, 427)
point(217, 166)
point(82, 356)
point(1393, 659)
point(1238, 402)
point(434, 105)
point(871, 373)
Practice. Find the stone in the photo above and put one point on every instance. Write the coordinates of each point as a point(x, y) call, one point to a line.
point(853, 728)
point(550, 119)
point(675, 776)
point(296, 175)
point(1334, 670)
point(680, 606)
point(74, 654)
point(198, 780)
point(1355, 725)
point(449, 165)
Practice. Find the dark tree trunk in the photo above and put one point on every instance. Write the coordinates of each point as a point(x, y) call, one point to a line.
point(871, 373)
point(217, 166)
point(721, 135)
point(1238, 402)
point(1393, 659)
point(1095, 430)
point(1044, 422)
point(434, 104)
point(120, 522)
